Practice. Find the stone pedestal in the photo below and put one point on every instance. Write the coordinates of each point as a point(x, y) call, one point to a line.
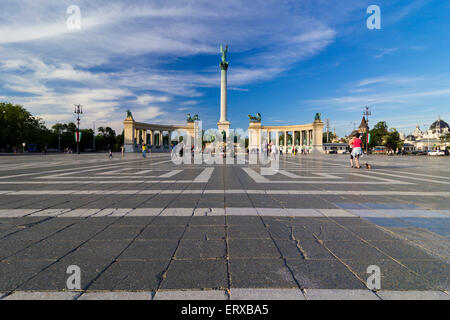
point(316, 143)
point(129, 142)
point(254, 136)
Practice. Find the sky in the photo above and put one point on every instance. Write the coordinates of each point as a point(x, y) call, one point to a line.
point(288, 60)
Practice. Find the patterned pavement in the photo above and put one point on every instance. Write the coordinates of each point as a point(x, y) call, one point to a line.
point(146, 228)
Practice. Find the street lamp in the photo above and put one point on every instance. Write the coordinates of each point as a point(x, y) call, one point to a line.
point(428, 138)
point(78, 111)
point(59, 139)
point(23, 147)
point(367, 113)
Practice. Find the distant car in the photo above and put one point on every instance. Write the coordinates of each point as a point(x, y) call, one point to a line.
point(346, 152)
point(436, 153)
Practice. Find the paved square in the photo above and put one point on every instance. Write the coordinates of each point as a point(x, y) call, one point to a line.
point(148, 229)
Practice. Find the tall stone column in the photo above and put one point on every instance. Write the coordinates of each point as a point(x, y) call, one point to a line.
point(223, 124)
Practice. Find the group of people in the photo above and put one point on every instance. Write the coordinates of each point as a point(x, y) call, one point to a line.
point(271, 148)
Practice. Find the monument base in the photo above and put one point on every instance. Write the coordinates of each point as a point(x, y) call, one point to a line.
point(317, 149)
point(224, 126)
point(129, 148)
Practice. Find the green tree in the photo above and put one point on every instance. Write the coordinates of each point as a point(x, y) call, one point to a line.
point(392, 140)
point(17, 125)
point(379, 131)
point(106, 139)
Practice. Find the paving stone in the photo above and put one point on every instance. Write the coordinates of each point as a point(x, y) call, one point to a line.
point(9, 247)
point(323, 274)
point(117, 295)
point(122, 233)
point(399, 249)
point(201, 249)
point(252, 248)
point(131, 275)
point(435, 271)
point(30, 295)
point(244, 220)
point(162, 232)
point(191, 295)
point(15, 272)
point(340, 294)
point(266, 294)
point(99, 249)
point(47, 250)
point(203, 274)
point(372, 233)
point(204, 233)
point(208, 220)
point(353, 250)
point(260, 273)
point(149, 250)
point(247, 232)
point(413, 295)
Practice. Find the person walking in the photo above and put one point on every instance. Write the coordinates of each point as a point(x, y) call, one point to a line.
point(357, 149)
point(122, 149)
point(144, 151)
point(350, 145)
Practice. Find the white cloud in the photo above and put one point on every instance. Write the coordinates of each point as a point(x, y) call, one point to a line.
point(147, 99)
point(125, 50)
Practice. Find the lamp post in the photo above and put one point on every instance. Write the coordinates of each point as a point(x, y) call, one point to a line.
point(59, 139)
point(367, 113)
point(428, 138)
point(78, 111)
point(23, 147)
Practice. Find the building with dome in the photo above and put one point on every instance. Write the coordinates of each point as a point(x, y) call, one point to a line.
point(429, 139)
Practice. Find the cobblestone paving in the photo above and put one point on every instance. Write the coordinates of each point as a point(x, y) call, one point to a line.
point(146, 228)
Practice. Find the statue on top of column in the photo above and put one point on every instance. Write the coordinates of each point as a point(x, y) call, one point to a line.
point(129, 115)
point(317, 117)
point(255, 119)
point(192, 119)
point(224, 53)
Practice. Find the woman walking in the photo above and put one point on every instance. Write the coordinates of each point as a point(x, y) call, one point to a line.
point(350, 145)
point(357, 150)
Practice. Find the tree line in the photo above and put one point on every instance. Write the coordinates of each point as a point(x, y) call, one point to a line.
point(18, 126)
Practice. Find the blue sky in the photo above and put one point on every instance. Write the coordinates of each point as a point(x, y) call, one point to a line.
point(288, 60)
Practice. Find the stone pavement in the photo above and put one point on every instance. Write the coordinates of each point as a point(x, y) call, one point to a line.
point(148, 229)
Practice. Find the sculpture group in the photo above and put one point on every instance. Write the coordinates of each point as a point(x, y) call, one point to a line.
point(192, 119)
point(255, 119)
